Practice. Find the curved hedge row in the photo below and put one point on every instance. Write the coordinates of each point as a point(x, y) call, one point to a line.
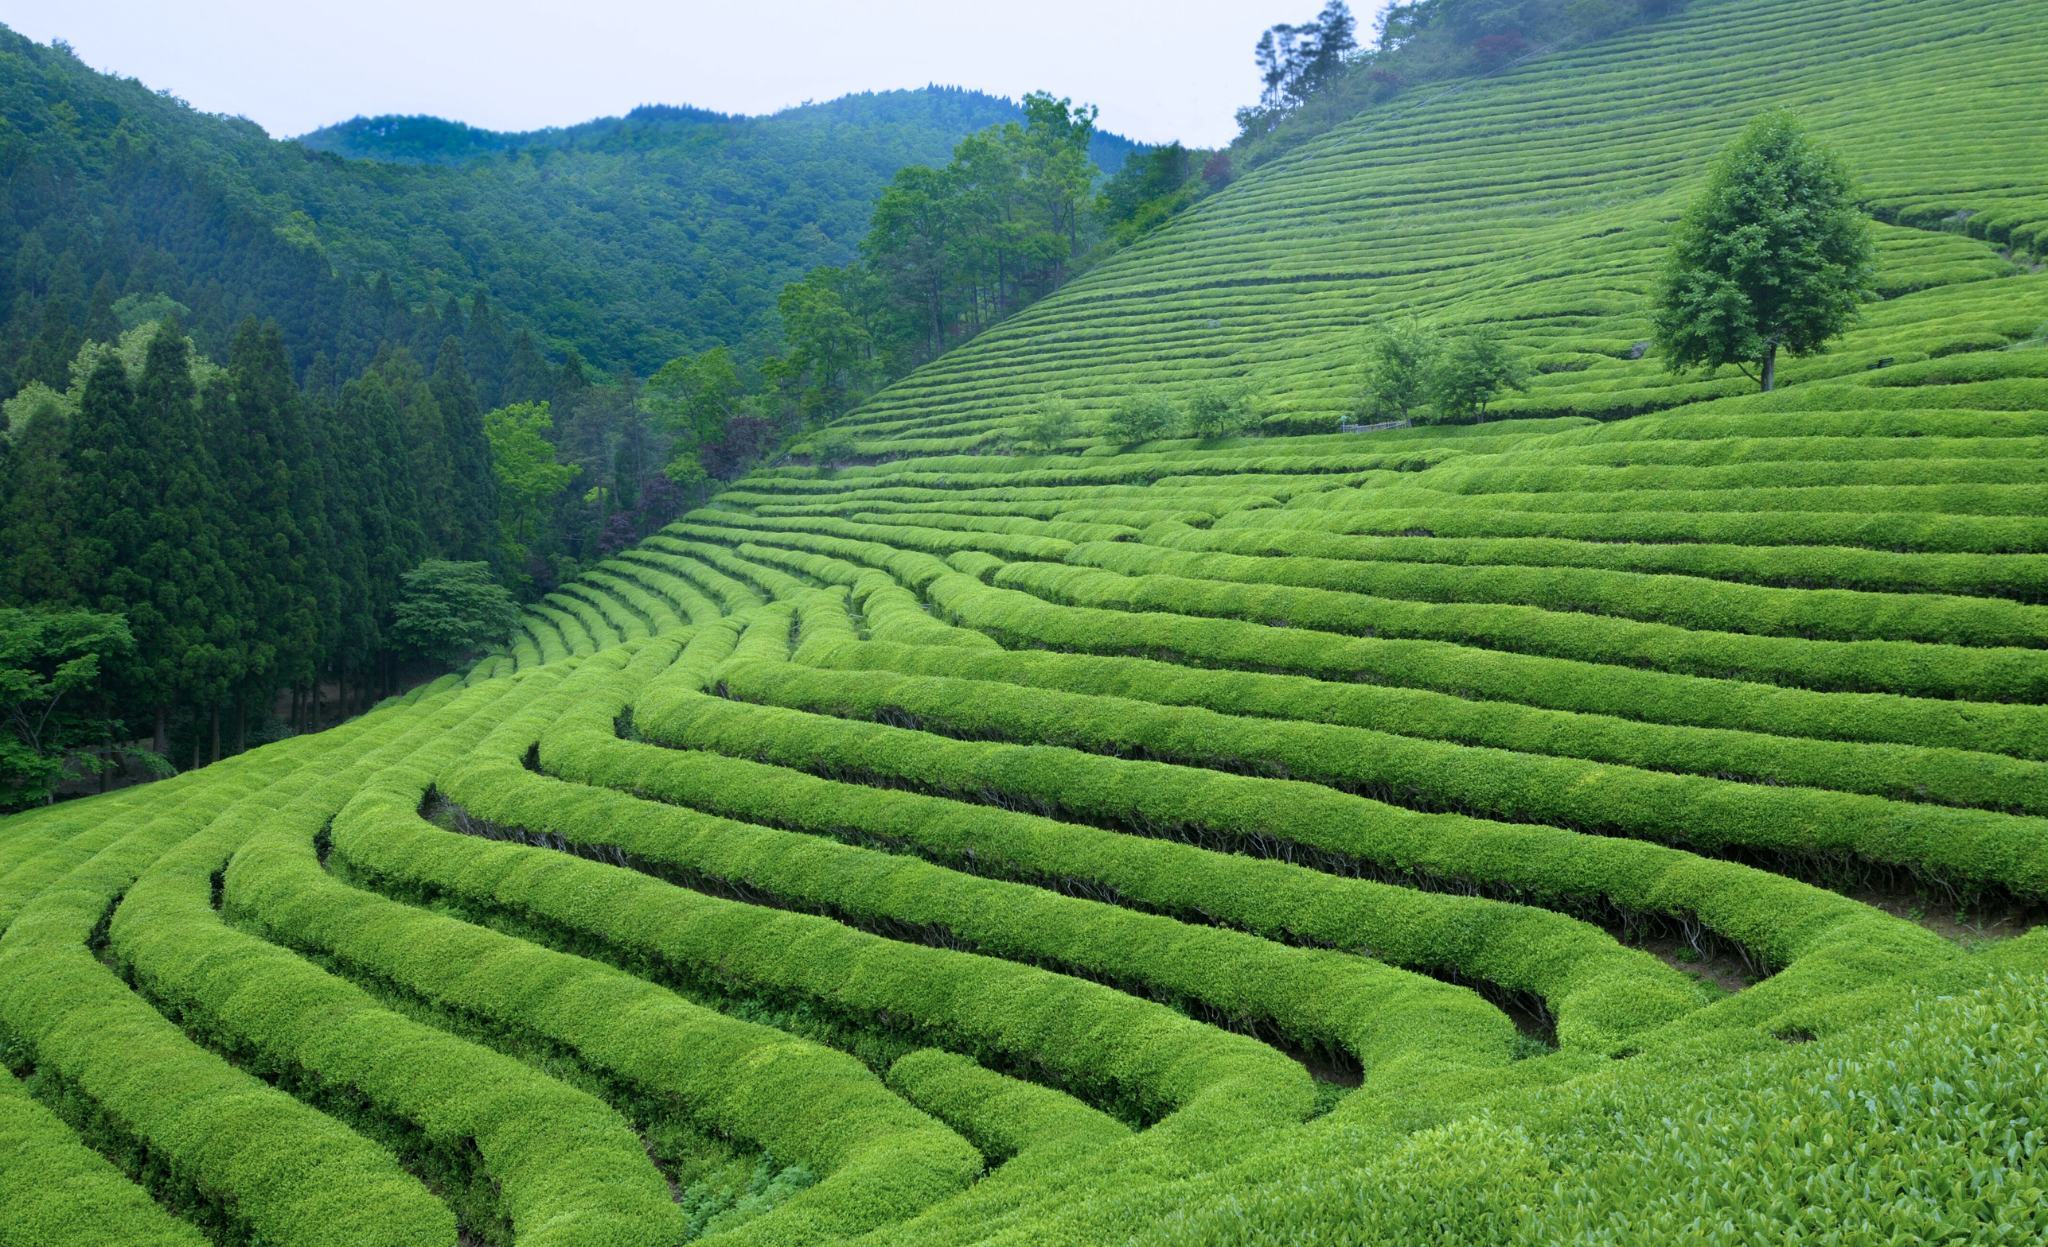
point(505, 1141)
point(1896, 772)
point(1773, 917)
point(1024, 620)
point(1681, 601)
point(1648, 522)
point(54, 1189)
point(2016, 576)
point(1910, 668)
point(1963, 848)
point(1004, 1117)
point(1132, 1052)
point(880, 1162)
point(219, 1145)
point(1601, 995)
point(1316, 998)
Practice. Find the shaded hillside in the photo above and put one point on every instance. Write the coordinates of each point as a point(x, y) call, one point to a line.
point(629, 239)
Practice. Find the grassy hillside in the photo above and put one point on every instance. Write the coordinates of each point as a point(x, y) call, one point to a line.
point(1537, 201)
point(1625, 823)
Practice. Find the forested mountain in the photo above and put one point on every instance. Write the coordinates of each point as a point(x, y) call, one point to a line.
point(372, 314)
point(630, 240)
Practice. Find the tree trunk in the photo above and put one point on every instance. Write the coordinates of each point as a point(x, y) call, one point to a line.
point(241, 728)
point(213, 724)
point(160, 743)
point(1770, 367)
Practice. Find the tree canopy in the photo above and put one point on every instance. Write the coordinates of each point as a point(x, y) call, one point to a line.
point(51, 664)
point(449, 611)
point(1773, 254)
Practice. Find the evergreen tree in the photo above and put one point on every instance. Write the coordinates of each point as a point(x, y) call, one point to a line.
point(114, 485)
point(471, 520)
point(100, 322)
point(430, 470)
point(485, 351)
point(372, 433)
point(192, 640)
point(262, 455)
point(38, 521)
point(49, 355)
point(528, 379)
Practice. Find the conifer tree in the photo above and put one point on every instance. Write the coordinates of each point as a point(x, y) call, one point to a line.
point(114, 485)
point(470, 521)
point(485, 350)
point(38, 519)
point(191, 633)
point(528, 379)
point(426, 464)
point(262, 448)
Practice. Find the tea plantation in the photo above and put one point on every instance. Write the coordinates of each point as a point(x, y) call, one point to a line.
point(1619, 823)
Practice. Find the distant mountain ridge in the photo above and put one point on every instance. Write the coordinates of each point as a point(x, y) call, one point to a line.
point(413, 139)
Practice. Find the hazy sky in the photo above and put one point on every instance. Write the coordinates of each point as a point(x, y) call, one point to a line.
point(1159, 69)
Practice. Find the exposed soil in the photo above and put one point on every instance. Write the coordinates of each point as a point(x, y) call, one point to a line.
point(1718, 966)
point(1967, 925)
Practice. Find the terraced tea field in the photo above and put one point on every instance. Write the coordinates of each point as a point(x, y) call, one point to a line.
point(1556, 829)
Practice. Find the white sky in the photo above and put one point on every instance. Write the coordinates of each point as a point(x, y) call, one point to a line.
point(1159, 69)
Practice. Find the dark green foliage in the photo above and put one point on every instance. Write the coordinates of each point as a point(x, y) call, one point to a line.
point(467, 519)
point(142, 193)
point(50, 671)
point(1773, 254)
point(449, 610)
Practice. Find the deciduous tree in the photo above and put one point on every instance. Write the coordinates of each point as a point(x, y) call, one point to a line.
point(1773, 255)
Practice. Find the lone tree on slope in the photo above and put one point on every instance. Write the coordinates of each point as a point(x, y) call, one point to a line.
point(1774, 253)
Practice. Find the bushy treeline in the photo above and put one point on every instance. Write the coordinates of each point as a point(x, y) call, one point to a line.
point(252, 535)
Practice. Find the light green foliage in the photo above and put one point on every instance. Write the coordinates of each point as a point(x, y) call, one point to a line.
point(1773, 254)
point(1219, 410)
point(692, 397)
point(1049, 425)
point(1400, 361)
point(1141, 417)
point(831, 447)
point(529, 478)
point(1470, 373)
point(449, 610)
point(1617, 821)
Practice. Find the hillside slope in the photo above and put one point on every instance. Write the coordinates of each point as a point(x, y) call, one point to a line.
point(1536, 201)
point(629, 239)
point(1547, 830)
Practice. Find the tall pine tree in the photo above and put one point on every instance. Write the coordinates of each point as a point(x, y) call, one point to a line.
point(257, 442)
point(192, 642)
point(471, 519)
